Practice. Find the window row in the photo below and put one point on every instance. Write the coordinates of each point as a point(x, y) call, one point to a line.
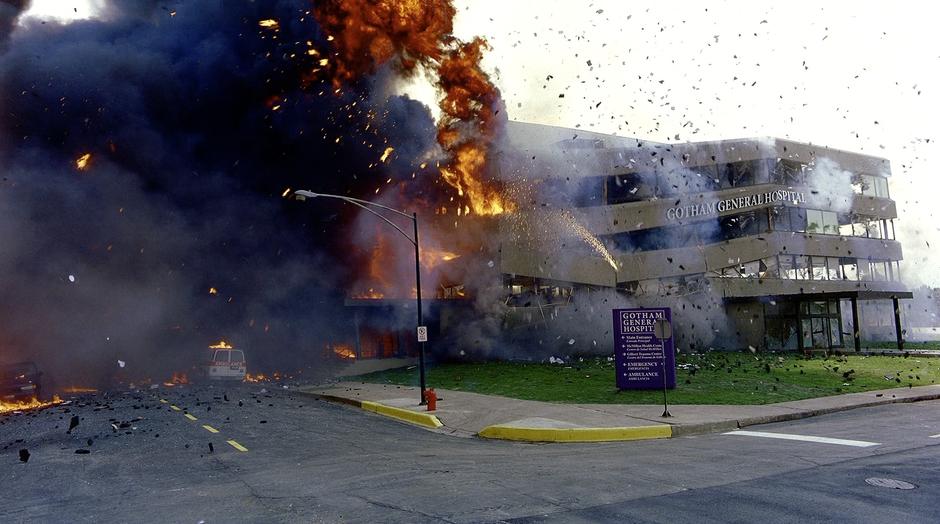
point(805, 267)
point(815, 221)
point(635, 187)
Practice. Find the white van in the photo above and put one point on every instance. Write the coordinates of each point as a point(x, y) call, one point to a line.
point(225, 363)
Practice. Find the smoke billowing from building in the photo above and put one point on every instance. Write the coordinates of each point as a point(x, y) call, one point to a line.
point(173, 233)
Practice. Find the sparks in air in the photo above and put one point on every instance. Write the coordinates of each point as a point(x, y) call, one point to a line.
point(388, 151)
point(269, 23)
point(82, 162)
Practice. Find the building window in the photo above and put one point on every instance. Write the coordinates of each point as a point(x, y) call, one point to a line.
point(779, 218)
point(798, 220)
point(870, 185)
point(835, 269)
point(767, 268)
point(787, 267)
point(788, 173)
point(822, 222)
point(633, 187)
point(818, 266)
point(802, 267)
point(741, 174)
point(830, 223)
point(849, 268)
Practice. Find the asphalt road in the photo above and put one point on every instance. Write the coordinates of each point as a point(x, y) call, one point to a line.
point(311, 461)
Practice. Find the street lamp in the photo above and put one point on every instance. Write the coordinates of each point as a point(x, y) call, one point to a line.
point(365, 204)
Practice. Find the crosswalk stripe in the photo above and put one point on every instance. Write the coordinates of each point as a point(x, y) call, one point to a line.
point(805, 438)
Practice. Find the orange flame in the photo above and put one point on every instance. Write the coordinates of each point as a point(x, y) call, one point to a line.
point(221, 345)
point(368, 33)
point(74, 390)
point(26, 405)
point(260, 377)
point(432, 257)
point(82, 162)
point(344, 351)
point(469, 97)
point(178, 378)
point(372, 294)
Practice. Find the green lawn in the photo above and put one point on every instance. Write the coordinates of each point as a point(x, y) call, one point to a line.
point(713, 378)
point(907, 345)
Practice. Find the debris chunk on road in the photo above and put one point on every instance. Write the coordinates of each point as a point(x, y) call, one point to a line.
point(24, 455)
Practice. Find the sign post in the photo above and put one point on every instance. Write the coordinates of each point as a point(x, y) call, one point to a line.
point(644, 360)
point(422, 333)
point(662, 329)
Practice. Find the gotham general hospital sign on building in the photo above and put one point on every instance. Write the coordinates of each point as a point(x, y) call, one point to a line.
point(730, 204)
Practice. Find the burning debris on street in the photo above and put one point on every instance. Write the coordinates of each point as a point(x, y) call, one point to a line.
point(27, 405)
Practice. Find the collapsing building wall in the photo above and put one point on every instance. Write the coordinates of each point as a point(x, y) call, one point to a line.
point(753, 243)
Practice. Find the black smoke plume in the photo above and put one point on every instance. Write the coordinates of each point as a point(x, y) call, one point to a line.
point(197, 120)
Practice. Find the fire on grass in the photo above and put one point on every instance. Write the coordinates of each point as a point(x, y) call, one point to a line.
point(27, 405)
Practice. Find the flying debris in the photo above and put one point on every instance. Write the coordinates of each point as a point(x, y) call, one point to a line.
point(82, 163)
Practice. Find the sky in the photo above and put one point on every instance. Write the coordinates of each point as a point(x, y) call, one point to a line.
point(859, 76)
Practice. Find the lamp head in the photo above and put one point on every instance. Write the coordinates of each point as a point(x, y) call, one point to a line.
point(303, 194)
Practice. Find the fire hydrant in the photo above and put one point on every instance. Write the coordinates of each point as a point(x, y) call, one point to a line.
point(430, 397)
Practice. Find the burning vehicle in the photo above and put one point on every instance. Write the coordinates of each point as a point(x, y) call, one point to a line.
point(19, 381)
point(225, 363)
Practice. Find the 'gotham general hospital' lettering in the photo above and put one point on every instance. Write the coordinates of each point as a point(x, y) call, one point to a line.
point(639, 321)
point(730, 204)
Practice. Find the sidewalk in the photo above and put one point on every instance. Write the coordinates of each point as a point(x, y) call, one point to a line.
point(471, 414)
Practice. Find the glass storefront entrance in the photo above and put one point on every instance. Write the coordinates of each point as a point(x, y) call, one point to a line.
point(805, 325)
point(821, 325)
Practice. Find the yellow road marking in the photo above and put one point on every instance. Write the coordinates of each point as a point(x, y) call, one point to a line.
point(236, 445)
point(174, 408)
point(190, 417)
point(209, 428)
point(163, 401)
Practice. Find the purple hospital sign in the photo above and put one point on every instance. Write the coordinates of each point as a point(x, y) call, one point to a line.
point(638, 354)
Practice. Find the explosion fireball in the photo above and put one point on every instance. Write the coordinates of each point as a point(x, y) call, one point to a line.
point(367, 34)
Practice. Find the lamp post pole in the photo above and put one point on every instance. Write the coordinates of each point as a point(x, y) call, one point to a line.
point(365, 204)
point(414, 217)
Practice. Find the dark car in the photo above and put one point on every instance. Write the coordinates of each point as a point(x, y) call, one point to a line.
point(19, 381)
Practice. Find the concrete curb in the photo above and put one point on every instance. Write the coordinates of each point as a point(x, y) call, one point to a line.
point(403, 415)
point(616, 434)
point(504, 432)
point(728, 425)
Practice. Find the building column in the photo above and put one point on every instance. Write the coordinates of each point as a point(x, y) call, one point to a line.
point(856, 329)
point(897, 323)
